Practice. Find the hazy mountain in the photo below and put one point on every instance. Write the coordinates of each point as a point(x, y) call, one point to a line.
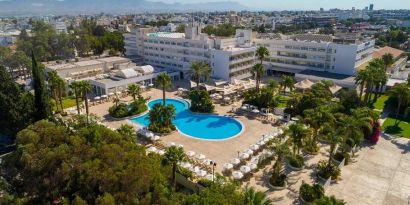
point(30, 7)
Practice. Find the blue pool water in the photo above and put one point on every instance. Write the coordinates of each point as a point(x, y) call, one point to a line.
point(208, 127)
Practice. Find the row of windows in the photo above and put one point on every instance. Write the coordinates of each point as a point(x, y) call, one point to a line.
point(295, 47)
point(241, 64)
point(184, 44)
point(163, 63)
point(179, 51)
point(305, 56)
point(301, 63)
point(240, 72)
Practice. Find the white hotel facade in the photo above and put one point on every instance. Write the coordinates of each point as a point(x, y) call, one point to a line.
point(233, 58)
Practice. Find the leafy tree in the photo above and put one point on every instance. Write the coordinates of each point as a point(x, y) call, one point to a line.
point(160, 117)
point(85, 88)
point(402, 93)
point(18, 61)
point(126, 131)
point(329, 201)
point(17, 106)
point(253, 197)
point(201, 101)
point(273, 85)
point(262, 52)
point(163, 81)
point(76, 86)
point(297, 133)
point(258, 71)
point(57, 87)
point(41, 100)
point(200, 70)
point(225, 30)
point(134, 90)
point(388, 60)
point(180, 28)
point(174, 155)
point(287, 82)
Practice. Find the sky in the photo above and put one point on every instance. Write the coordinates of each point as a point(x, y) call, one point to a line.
point(313, 4)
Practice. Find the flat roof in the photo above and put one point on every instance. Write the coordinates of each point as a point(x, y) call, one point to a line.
point(88, 62)
point(166, 35)
point(325, 74)
point(113, 59)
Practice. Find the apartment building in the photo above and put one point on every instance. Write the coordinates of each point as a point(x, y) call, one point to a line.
point(229, 58)
point(339, 54)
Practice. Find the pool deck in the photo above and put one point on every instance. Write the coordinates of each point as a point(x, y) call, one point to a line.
point(218, 151)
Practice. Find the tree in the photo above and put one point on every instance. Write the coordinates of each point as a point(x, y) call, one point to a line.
point(127, 131)
point(360, 79)
point(262, 52)
point(200, 70)
point(116, 100)
point(297, 133)
point(317, 119)
point(135, 90)
point(41, 100)
point(253, 197)
point(329, 201)
point(201, 101)
point(20, 62)
point(258, 71)
point(160, 117)
point(173, 156)
point(287, 81)
point(57, 88)
point(180, 28)
point(388, 60)
point(273, 85)
point(76, 86)
point(85, 88)
point(163, 81)
point(17, 106)
point(402, 93)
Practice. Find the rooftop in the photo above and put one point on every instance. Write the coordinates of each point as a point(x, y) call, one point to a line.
point(384, 50)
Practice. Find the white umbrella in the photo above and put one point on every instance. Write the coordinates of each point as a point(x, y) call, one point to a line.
point(181, 89)
point(218, 97)
point(149, 134)
point(248, 151)
point(255, 111)
point(161, 152)
point(237, 175)
point(266, 140)
point(118, 93)
point(253, 166)
point(244, 108)
point(190, 153)
point(104, 96)
point(110, 94)
point(200, 156)
point(255, 159)
point(228, 166)
point(201, 173)
point(180, 145)
point(143, 87)
point(97, 98)
point(150, 85)
point(155, 138)
point(227, 98)
point(254, 147)
point(172, 144)
point(269, 137)
point(245, 169)
point(209, 177)
point(235, 161)
point(260, 143)
point(152, 149)
point(244, 156)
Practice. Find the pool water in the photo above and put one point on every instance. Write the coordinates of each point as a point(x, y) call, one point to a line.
point(200, 126)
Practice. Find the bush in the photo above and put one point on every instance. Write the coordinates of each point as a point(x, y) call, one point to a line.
point(185, 172)
point(278, 180)
point(201, 101)
point(205, 182)
point(329, 201)
point(311, 193)
point(264, 99)
point(123, 110)
point(326, 170)
point(154, 127)
point(296, 161)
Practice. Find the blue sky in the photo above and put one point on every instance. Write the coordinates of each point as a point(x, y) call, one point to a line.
point(313, 4)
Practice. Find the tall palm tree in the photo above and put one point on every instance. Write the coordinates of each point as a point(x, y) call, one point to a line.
point(273, 85)
point(200, 70)
point(402, 93)
point(163, 81)
point(262, 52)
point(85, 87)
point(317, 119)
point(287, 81)
point(360, 79)
point(258, 71)
point(253, 197)
point(172, 156)
point(116, 100)
point(134, 90)
point(388, 60)
point(53, 85)
point(76, 86)
point(297, 133)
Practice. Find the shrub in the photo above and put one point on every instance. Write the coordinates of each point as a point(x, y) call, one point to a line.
point(185, 172)
point(124, 110)
point(296, 161)
point(137, 107)
point(119, 111)
point(311, 193)
point(278, 180)
point(326, 170)
point(329, 201)
point(264, 99)
point(201, 101)
point(155, 127)
point(205, 182)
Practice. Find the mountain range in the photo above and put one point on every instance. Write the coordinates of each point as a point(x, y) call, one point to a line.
point(59, 7)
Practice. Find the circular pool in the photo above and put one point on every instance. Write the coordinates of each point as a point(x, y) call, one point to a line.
point(200, 126)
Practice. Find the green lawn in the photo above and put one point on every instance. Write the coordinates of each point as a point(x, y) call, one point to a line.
point(67, 102)
point(283, 100)
point(379, 104)
point(399, 127)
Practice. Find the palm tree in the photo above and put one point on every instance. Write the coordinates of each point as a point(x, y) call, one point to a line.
point(134, 90)
point(258, 71)
point(116, 100)
point(127, 131)
point(287, 81)
point(388, 60)
point(77, 93)
point(163, 81)
point(200, 70)
point(360, 80)
point(317, 119)
point(402, 93)
point(273, 85)
point(297, 133)
point(261, 53)
point(253, 197)
point(85, 87)
point(334, 138)
point(173, 155)
point(53, 85)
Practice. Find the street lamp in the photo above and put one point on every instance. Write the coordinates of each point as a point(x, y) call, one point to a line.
point(213, 164)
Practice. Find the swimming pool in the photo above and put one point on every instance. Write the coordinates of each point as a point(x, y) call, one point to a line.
point(200, 126)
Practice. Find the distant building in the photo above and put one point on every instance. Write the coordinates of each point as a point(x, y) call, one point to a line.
point(371, 7)
point(316, 20)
